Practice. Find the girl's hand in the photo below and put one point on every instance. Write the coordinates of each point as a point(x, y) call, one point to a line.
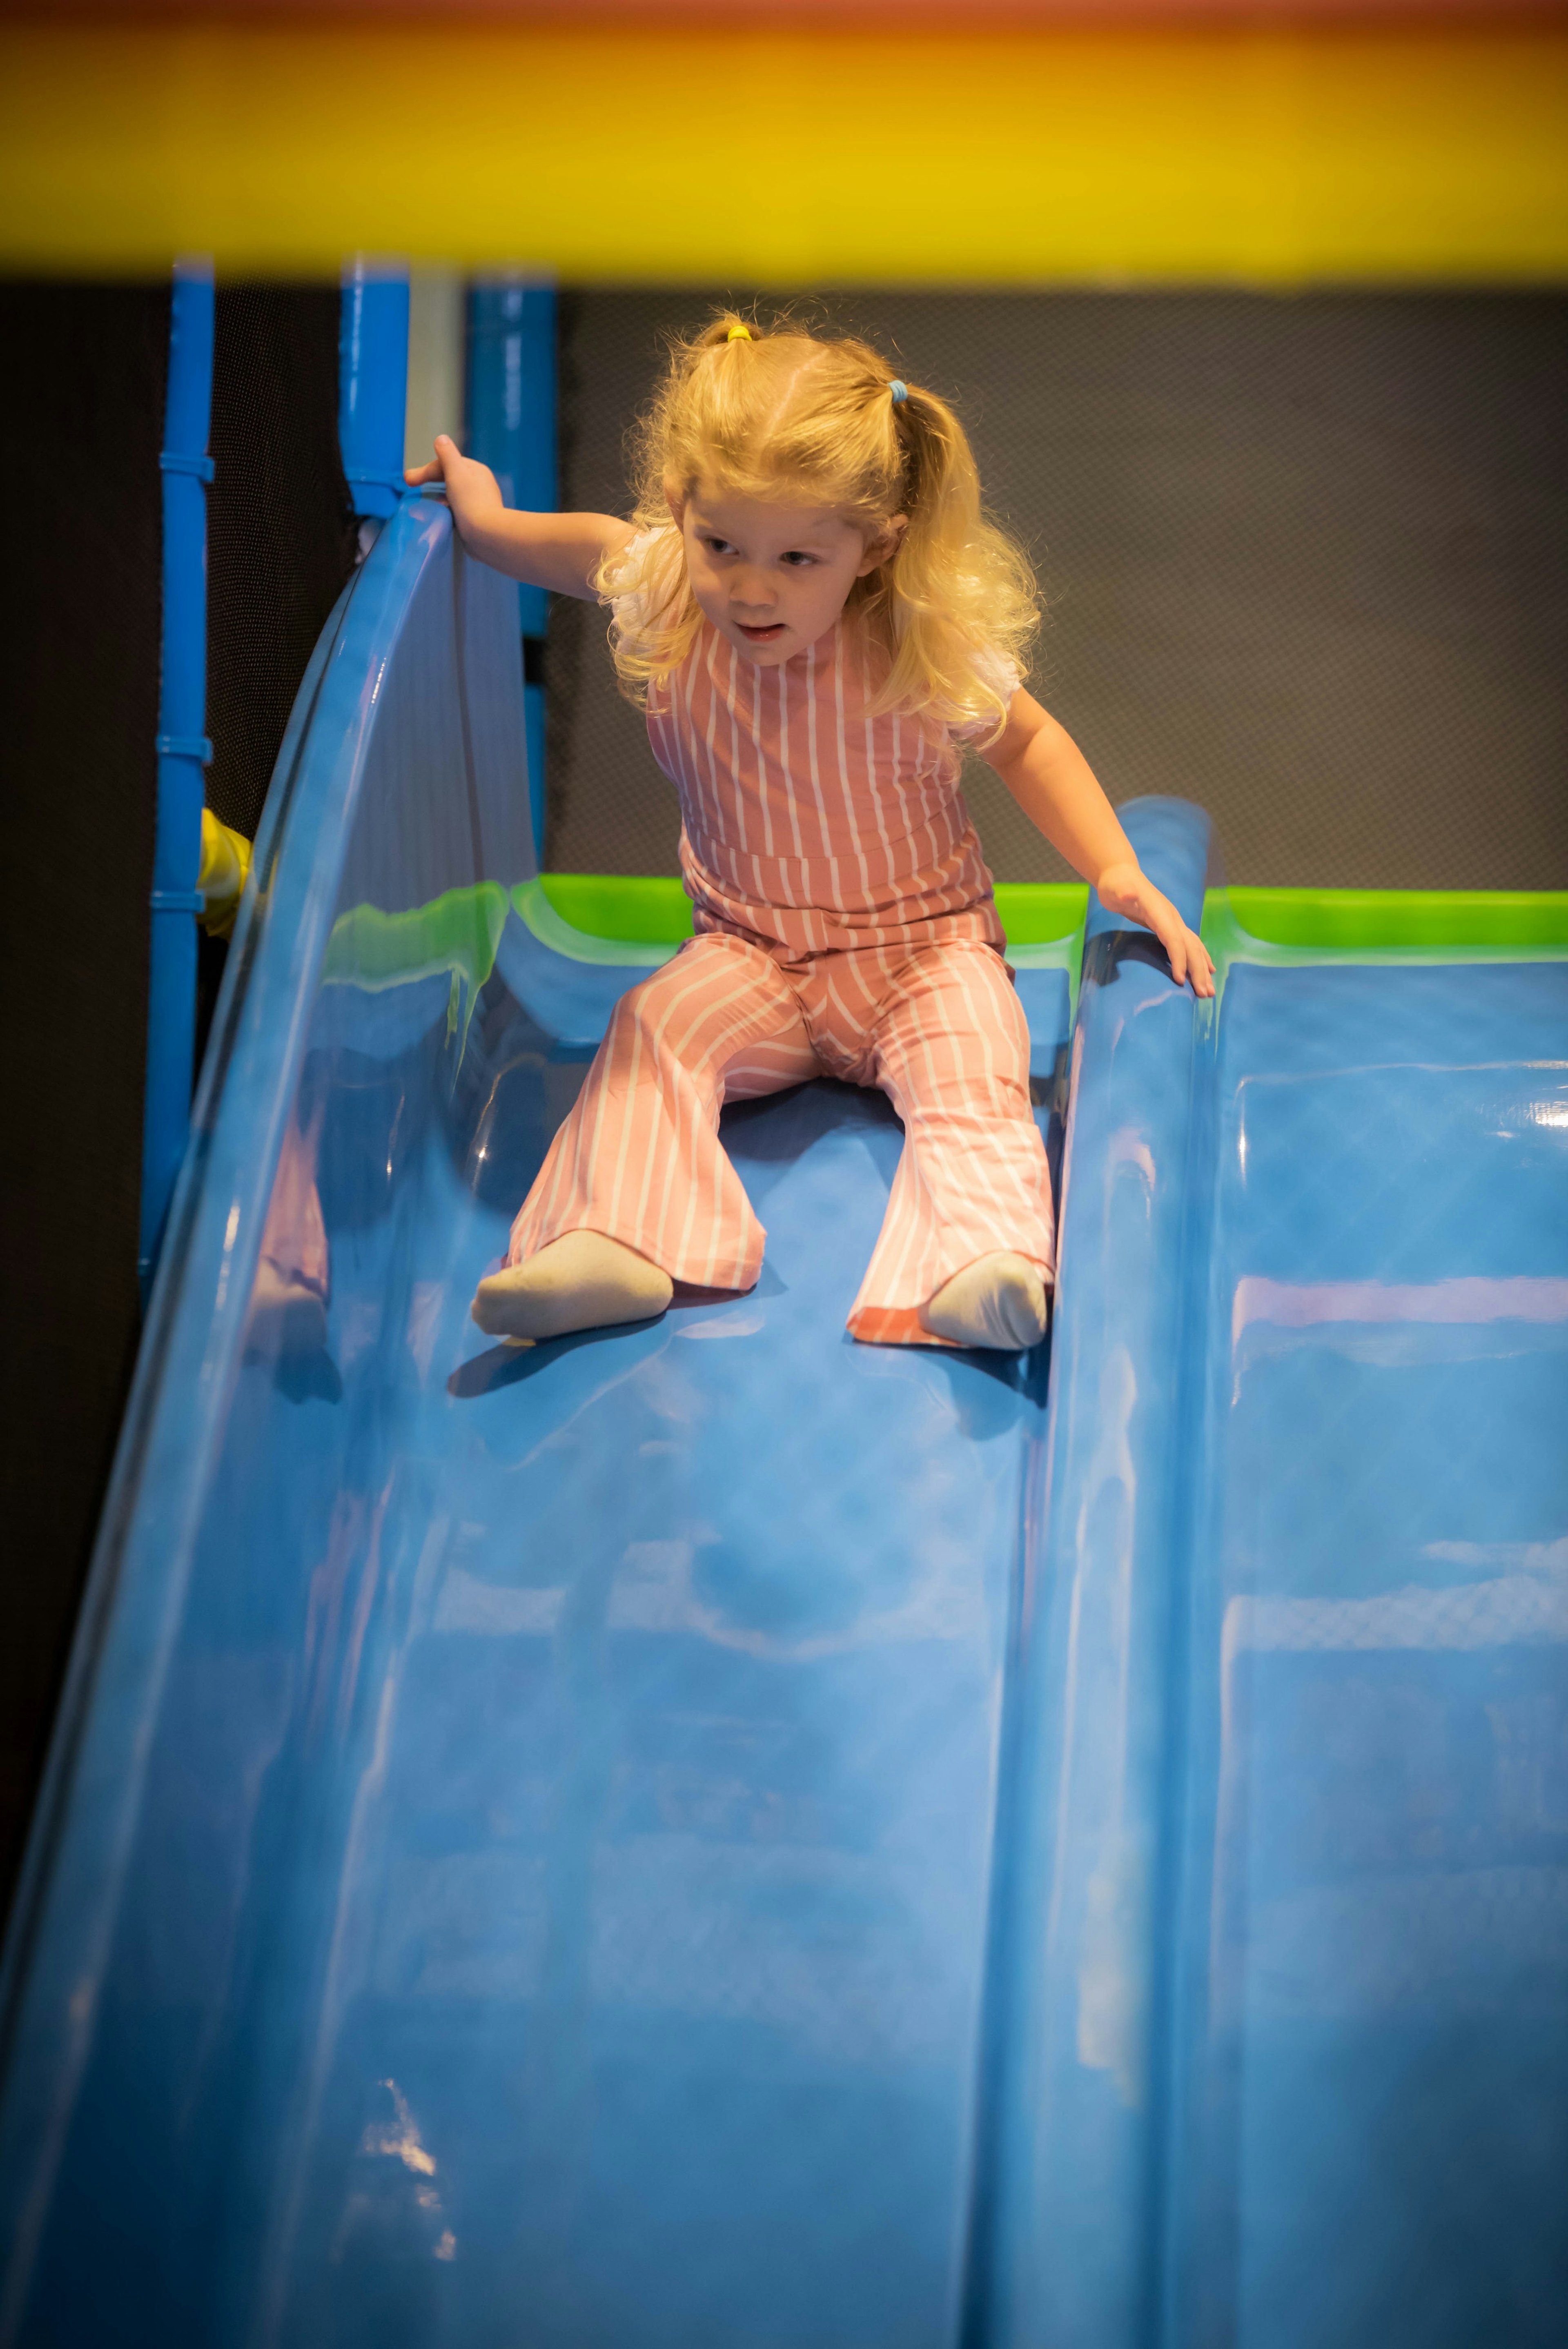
point(1052, 782)
point(1127, 889)
point(473, 490)
point(560, 551)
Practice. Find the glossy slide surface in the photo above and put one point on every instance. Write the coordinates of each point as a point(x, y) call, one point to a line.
point(712, 1836)
point(1286, 1958)
point(519, 1860)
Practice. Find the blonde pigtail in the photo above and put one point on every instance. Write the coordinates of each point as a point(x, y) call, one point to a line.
point(957, 598)
point(781, 413)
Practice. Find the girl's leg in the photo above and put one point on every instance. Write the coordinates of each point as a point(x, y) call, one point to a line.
point(965, 1250)
point(636, 1191)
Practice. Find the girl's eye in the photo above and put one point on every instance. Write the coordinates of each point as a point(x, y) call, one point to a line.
point(798, 558)
point(718, 546)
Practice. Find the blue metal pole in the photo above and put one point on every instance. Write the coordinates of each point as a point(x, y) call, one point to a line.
point(373, 382)
point(511, 428)
point(183, 753)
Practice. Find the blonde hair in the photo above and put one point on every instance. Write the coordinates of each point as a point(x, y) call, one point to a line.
point(773, 414)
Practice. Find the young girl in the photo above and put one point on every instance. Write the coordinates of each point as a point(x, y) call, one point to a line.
point(817, 615)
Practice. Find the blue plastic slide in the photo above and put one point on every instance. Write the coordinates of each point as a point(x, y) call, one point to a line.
point(712, 1837)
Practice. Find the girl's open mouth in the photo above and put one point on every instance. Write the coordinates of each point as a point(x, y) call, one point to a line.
point(761, 636)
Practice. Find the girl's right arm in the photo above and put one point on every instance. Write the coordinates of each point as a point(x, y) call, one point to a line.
point(1054, 785)
point(562, 552)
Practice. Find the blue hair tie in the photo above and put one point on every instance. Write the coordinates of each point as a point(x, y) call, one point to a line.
point(901, 392)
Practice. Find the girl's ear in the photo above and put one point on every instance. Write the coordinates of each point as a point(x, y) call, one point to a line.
point(884, 546)
point(674, 499)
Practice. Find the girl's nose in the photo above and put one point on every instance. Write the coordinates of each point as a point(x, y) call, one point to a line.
point(752, 590)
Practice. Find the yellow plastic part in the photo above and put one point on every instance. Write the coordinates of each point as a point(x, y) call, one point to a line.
point(1271, 153)
point(225, 862)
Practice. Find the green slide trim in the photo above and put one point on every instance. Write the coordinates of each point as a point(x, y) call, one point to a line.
point(538, 909)
point(1524, 918)
point(1037, 913)
point(638, 920)
point(1045, 925)
point(636, 909)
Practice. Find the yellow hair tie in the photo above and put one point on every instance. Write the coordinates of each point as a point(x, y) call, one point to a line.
point(739, 335)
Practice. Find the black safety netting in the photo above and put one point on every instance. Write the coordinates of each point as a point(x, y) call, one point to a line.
point(81, 420)
point(281, 532)
point(1304, 559)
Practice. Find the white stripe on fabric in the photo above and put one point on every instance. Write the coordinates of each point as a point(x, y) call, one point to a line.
point(711, 698)
point(788, 778)
point(810, 750)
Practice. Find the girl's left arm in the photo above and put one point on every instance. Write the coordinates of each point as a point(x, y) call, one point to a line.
point(1054, 785)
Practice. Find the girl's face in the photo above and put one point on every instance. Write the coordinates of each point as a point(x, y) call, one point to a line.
point(772, 577)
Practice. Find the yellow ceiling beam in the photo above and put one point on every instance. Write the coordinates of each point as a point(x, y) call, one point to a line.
point(1272, 155)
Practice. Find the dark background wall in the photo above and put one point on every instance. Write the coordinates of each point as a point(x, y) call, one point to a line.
point(1306, 560)
point(281, 532)
point(81, 421)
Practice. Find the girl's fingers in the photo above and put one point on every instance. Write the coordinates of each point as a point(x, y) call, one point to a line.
point(1191, 965)
point(434, 468)
point(1171, 931)
point(1202, 966)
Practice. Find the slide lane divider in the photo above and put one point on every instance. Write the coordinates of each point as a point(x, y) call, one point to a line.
point(1066, 2220)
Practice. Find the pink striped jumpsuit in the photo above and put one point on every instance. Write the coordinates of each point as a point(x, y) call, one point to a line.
point(845, 925)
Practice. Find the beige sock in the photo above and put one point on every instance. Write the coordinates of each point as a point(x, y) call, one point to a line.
point(581, 1281)
point(997, 1300)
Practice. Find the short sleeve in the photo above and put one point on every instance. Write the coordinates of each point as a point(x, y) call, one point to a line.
point(1001, 674)
point(633, 608)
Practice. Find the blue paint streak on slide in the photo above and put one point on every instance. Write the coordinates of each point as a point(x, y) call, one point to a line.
point(710, 1835)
